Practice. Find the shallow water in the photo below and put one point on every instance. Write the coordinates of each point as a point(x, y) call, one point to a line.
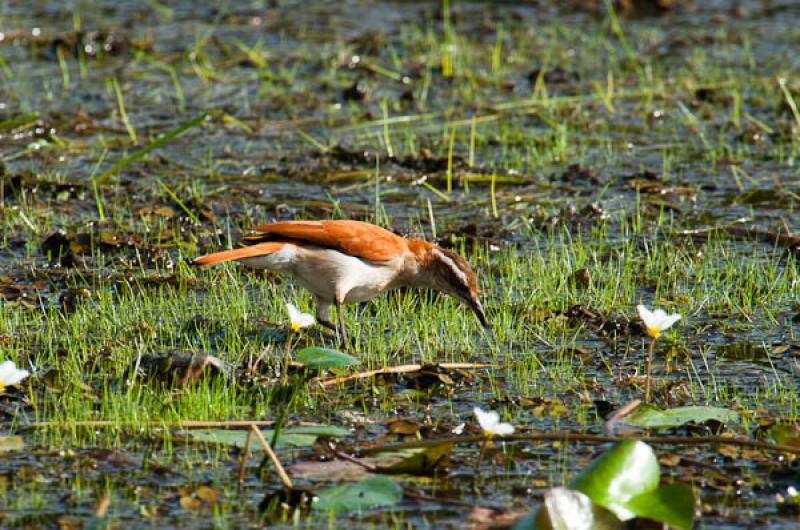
point(698, 134)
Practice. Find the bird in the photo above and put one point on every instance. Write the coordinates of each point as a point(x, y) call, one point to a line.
point(347, 262)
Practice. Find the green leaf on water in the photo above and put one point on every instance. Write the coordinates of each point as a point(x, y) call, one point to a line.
point(786, 434)
point(317, 430)
point(652, 417)
point(371, 492)
point(417, 461)
point(626, 481)
point(628, 469)
point(293, 436)
point(323, 358)
point(222, 436)
point(672, 504)
point(11, 443)
point(566, 509)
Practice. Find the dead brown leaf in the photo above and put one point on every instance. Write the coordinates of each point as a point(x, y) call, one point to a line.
point(181, 368)
point(402, 427)
point(480, 518)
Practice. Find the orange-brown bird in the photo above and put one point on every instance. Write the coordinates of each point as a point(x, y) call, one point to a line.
point(347, 262)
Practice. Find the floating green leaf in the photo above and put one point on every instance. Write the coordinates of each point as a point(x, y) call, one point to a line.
point(317, 430)
point(323, 358)
point(626, 481)
point(371, 492)
point(566, 509)
point(11, 443)
point(628, 469)
point(418, 461)
point(18, 121)
point(786, 434)
point(672, 504)
point(293, 436)
point(652, 417)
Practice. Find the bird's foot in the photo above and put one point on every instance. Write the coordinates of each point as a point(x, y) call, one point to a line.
point(336, 340)
point(342, 328)
point(327, 324)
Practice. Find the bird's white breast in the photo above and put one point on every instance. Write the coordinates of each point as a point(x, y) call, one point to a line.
point(330, 274)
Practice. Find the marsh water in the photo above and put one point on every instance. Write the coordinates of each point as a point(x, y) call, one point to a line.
point(506, 131)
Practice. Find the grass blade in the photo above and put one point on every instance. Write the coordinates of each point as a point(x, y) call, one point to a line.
point(179, 202)
point(158, 142)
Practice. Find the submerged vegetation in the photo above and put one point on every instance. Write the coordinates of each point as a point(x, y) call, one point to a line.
point(585, 158)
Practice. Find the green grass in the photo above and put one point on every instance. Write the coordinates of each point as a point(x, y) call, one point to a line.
point(697, 104)
point(719, 286)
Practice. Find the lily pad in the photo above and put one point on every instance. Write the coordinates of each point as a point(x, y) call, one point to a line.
point(293, 436)
point(566, 509)
point(418, 461)
point(786, 434)
point(324, 358)
point(628, 469)
point(626, 481)
point(11, 443)
point(672, 504)
point(652, 417)
point(371, 492)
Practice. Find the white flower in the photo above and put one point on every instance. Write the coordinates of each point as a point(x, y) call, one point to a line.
point(792, 491)
point(298, 319)
point(656, 321)
point(490, 423)
point(11, 375)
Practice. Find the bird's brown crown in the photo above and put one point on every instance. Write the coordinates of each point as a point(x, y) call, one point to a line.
point(453, 271)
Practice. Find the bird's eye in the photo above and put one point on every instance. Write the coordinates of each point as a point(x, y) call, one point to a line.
point(463, 289)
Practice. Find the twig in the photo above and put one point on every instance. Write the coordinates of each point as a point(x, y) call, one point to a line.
point(479, 462)
point(441, 500)
point(563, 436)
point(623, 411)
point(245, 455)
point(287, 357)
point(287, 482)
point(102, 506)
point(404, 369)
point(348, 458)
point(648, 370)
point(533, 437)
point(254, 365)
point(180, 424)
point(789, 241)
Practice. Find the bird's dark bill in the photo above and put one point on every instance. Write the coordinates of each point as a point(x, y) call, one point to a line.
point(478, 310)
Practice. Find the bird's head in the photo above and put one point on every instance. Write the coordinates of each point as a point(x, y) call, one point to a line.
point(449, 273)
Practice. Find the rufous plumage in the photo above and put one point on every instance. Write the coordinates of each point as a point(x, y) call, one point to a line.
point(347, 262)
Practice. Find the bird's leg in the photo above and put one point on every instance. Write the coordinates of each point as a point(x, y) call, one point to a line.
point(342, 328)
point(330, 325)
point(324, 313)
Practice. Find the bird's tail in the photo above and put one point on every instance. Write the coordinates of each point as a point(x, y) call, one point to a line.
point(254, 251)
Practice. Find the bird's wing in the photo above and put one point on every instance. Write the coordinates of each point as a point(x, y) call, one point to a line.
point(356, 238)
point(262, 249)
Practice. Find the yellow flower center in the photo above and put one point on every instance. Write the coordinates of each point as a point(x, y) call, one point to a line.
point(295, 327)
point(653, 332)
